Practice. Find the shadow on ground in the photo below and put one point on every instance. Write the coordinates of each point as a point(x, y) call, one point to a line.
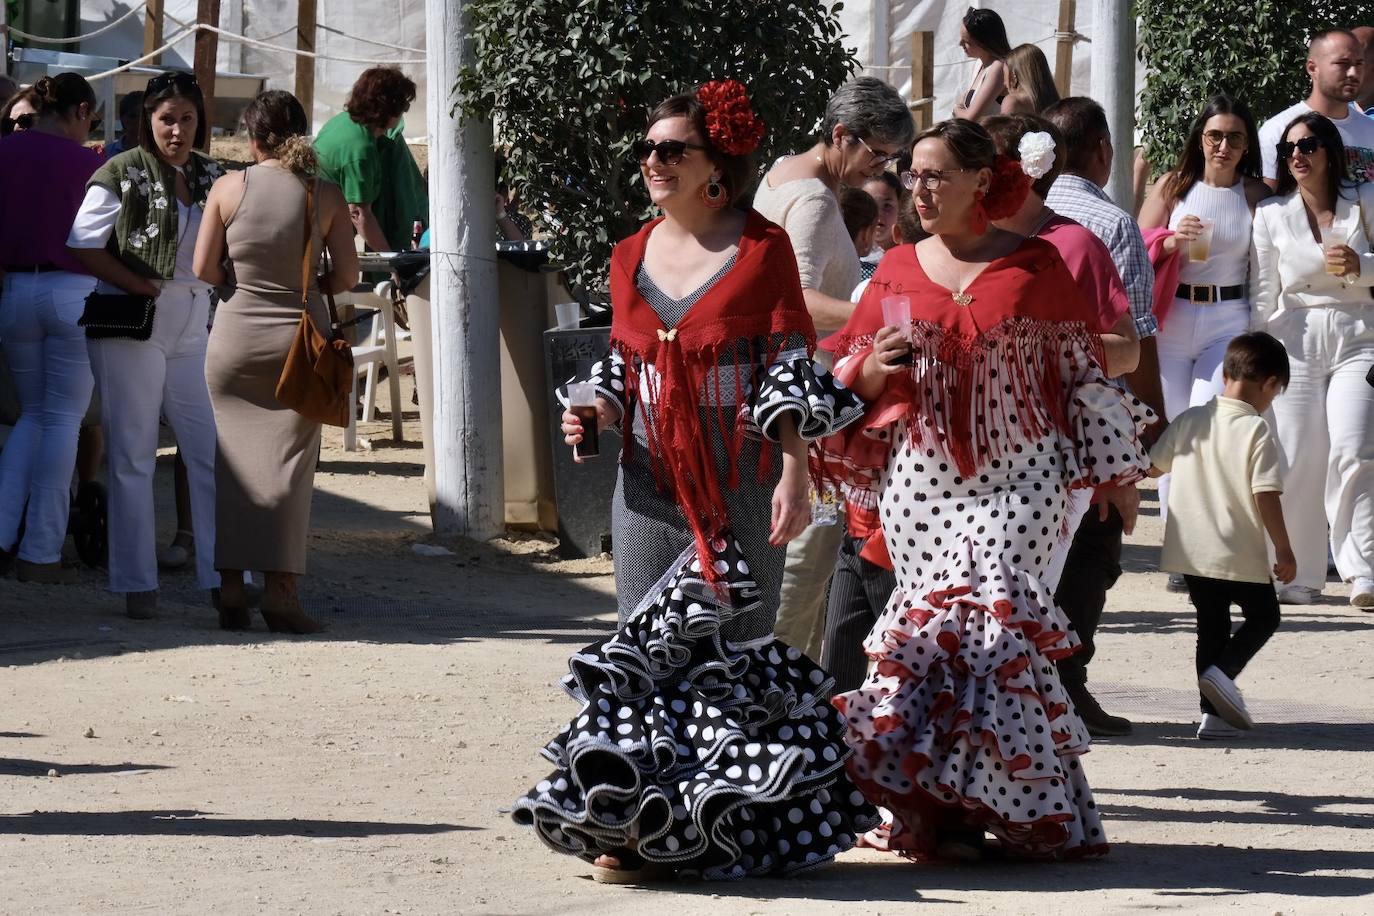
point(1165, 869)
point(199, 823)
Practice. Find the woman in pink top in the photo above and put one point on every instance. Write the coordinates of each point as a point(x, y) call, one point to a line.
point(1038, 146)
point(43, 173)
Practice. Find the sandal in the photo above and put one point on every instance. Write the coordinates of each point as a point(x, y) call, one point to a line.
point(632, 869)
point(176, 556)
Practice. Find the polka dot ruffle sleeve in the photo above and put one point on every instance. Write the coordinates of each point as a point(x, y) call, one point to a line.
point(820, 403)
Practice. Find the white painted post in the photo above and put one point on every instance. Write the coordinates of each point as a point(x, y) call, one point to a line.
point(465, 307)
point(1113, 86)
point(4, 39)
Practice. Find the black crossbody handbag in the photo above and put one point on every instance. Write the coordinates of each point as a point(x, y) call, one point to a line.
point(118, 315)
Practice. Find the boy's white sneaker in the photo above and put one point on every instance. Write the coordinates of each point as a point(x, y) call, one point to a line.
point(1362, 593)
point(1215, 728)
point(1223, 693)
point(1297, 594)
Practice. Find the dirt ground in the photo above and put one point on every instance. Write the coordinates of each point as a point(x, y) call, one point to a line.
point(170, 767)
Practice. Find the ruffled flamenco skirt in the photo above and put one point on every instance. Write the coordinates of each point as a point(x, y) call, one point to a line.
point(716, 760)
point(964, 724)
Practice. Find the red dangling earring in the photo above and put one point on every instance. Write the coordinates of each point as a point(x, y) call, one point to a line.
point(978, 216)
point(713, 194)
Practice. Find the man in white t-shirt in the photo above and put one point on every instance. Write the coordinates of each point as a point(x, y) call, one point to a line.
point(1335, 63)
point(1365, 100)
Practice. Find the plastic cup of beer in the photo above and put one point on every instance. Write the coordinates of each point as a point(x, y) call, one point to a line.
point(569, 315)
point(1331, 238)
point(582, 403)
point(1200, 248)
point(897, 314)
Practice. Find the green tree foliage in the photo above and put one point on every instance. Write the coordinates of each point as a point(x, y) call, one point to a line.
point(570, 84)
point(1253, 50)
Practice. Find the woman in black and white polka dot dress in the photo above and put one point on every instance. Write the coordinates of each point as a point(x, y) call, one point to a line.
point(986, 407)
point(703, 745)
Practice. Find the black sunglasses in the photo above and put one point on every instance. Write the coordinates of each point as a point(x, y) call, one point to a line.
point(670, 152)
point(23, 122)
point(1307, 146)
point(177, 78)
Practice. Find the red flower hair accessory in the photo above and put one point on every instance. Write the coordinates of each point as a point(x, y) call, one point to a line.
point(1008, 190)
point(733, 127)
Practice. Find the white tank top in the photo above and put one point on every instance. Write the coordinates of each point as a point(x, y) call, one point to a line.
point(1229, 264)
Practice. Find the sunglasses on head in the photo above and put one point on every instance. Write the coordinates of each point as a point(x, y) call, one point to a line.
point(670, 152)
point(1307, 146)
point(177, 78)
point(23, 122)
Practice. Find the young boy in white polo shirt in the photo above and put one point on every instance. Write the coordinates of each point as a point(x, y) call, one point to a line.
point(1223, 499)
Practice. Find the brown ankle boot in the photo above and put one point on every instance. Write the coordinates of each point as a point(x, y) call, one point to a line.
point(46, 573)
point(281, 607)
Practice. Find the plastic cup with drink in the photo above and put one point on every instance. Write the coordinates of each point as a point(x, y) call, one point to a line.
point(897, 314)
point(1332, 239)
point(582, 404)
point(1200, 248)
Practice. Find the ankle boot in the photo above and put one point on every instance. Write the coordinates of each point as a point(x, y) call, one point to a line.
point(45, 573)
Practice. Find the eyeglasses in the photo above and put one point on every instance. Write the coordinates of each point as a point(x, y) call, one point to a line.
point(1307, 146)
point(1234, 138)
point(670, 152)
point(930, 179)
point(885, 158)
point(177, 78)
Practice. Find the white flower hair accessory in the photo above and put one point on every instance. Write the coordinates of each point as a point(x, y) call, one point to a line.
point(1037, 153)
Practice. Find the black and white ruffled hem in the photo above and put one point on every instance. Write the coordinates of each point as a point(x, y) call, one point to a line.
point(718, 760)
point(820, 403)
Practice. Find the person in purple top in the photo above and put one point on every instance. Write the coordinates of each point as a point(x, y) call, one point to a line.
point(43, 173)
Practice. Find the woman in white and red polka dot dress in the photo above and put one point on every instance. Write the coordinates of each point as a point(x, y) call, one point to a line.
point(985, 409)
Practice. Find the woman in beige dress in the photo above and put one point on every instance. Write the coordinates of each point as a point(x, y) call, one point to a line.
point(253, 241)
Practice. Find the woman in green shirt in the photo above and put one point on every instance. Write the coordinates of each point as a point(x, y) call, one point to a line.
point(363, 152)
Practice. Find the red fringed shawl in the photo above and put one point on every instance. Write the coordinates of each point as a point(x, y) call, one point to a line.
point(961, 398)
point(747, 314)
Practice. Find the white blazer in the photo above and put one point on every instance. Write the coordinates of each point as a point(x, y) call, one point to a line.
point(1287, 266)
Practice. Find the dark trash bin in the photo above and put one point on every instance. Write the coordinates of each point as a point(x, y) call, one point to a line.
point(583, 491)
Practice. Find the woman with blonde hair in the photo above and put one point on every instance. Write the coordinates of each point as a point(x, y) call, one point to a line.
point(1030, 82)
point(258, 220)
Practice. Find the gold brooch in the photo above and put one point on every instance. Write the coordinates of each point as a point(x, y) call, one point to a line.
point(961, 298)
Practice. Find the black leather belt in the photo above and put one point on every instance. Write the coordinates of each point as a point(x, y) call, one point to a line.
point(30, 269)
point(1202, 295)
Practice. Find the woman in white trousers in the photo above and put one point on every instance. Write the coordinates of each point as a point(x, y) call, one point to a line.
point(42, 173)
point(1313, 271)
point(136, 232)
point(1216, 179)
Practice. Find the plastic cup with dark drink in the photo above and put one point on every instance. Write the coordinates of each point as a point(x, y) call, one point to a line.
point(897, 314)
point(582, 404)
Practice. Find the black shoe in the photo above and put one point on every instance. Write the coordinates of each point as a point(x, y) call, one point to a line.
point(1099, 723)
point(1176, 583)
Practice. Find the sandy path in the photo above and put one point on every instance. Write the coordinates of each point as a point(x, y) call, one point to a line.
point(366, 772)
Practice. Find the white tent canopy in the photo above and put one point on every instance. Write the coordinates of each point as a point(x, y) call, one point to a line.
point(878, 30)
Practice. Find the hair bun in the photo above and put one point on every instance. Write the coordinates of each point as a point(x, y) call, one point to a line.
point(46, 88)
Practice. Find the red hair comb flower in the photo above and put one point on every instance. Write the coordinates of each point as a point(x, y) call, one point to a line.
point(733, 127)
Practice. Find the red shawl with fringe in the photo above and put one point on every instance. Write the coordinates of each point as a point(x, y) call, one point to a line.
point(746, 315)
point(1026, 308)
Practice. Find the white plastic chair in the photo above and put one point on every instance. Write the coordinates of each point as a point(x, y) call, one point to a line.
point(379, 349)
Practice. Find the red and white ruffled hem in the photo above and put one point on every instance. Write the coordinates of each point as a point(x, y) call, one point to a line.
point(965, 725)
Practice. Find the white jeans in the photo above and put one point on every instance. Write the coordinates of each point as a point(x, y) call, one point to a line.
point(1325, 427)
point(46, 352)
point(1192, 345)
point(140, 381)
